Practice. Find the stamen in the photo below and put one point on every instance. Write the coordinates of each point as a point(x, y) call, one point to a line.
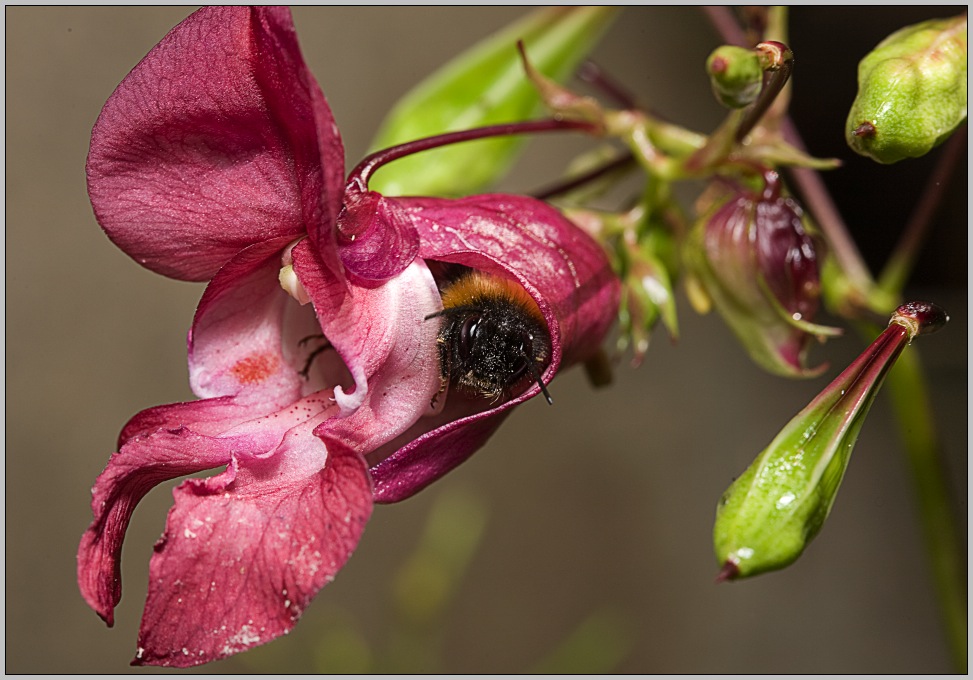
point(288, 277)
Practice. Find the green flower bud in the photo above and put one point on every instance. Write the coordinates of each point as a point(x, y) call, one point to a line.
point(647, 296)
point(644, 255)
point(735, 74)
point(911, 91)
point(773, 510)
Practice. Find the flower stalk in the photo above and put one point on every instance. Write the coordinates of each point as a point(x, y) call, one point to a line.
point(899, 265)
point(777, 61)
point(362, 172)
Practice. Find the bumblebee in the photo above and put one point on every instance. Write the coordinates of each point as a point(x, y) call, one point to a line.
point(493, 336)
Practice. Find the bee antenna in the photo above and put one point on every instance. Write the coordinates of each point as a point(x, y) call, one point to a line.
point(448, 310)
point(540, 382)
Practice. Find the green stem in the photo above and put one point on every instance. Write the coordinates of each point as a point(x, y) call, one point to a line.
point(906, 386)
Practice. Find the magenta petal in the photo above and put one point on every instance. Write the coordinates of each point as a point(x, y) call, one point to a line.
point(140, 464)
point(376, 240)
point(245, 552)
point(428, 455)
point(209, 416)
point(236, 346)
point(786, 257)
point(167, 442)
point(295, 99)
point(561, 267)
point(383, 337)
point(213, 142)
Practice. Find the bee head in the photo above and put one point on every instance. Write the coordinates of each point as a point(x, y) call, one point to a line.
point(492, 336)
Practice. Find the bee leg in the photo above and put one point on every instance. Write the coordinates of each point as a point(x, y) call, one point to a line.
point(306, 371)
point(443, 384)
point(305, 340)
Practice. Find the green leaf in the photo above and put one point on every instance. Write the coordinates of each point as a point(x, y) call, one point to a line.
point(483, 86)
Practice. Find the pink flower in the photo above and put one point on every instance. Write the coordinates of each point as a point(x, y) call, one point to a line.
point(217, 159)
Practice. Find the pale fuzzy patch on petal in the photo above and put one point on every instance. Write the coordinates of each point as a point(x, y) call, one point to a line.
point(251, 339)
point(235, 341)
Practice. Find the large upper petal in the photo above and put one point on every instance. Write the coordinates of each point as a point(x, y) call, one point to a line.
point(218, 139)
point(561, 267)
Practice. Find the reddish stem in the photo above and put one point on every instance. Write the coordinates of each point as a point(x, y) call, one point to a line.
point(900, 263)
point(364, 170)
point(818, 200)
point(729, 572)
point(780, 73)
point(567, 185)
point(591, 73)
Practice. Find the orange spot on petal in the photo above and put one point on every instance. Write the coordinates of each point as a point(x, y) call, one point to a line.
point(255, 368)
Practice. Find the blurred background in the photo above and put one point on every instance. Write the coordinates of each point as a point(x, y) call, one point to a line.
point(579, 538)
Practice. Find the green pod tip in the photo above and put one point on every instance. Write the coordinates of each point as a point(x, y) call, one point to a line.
point(767, 517)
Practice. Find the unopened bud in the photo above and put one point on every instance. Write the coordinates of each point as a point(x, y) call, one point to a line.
point(772, 511)
point(735, 74)
point(647, 297)
point(758, 265)
point(911, 91)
